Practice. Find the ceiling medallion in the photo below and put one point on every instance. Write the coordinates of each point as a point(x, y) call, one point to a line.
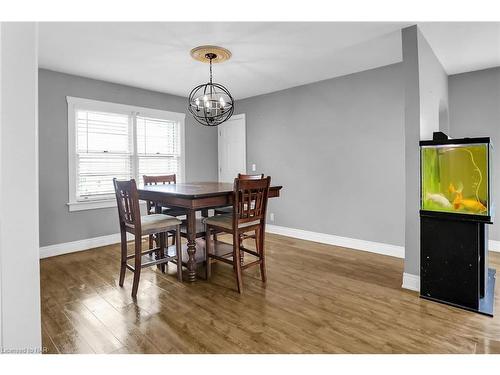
point(211, 103)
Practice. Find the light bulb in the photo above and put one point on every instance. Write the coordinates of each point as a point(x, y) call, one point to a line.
point(207, 103)
point(205, 98)
point(222, 102)
point(197, 101)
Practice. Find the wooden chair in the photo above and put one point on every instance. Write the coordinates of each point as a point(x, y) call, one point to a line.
point(249, 214)
point(229, 209)
point(132, 222)
point(152, 208)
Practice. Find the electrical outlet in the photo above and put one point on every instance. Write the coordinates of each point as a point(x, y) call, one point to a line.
point(271, 216)
point(254, 168)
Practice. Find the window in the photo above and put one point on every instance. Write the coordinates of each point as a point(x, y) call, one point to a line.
point(103, 151)
point(107, 140)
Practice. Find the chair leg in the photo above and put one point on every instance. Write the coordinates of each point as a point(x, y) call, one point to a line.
point(123, 262)
point(208, 248)
point(256, 240)
point(259, 234)
point(178, 251)
point(237, 262)
point(151, 241)
point(174, 237)
point(242, 253)
point(137, 266)
point(161, 253)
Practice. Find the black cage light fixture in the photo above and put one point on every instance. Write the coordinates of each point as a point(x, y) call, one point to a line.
point(211, 103)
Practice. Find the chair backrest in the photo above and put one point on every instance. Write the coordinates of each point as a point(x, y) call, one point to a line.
point(155, 180)
point(250, 199)
point(127, 200)
point(250, 176)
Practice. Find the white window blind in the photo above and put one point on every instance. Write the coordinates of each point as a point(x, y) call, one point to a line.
point(158, 146)
point(104, 151)
point(108, 140)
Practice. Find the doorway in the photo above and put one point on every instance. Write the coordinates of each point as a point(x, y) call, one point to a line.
point(232, 148)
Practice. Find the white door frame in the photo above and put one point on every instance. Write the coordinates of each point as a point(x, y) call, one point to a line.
point(20, 315)
point(240, 116)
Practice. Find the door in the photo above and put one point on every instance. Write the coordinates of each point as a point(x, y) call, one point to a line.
point(232, 148)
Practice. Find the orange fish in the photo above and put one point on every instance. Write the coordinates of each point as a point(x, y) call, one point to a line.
point(452, 190)
point(469, 204)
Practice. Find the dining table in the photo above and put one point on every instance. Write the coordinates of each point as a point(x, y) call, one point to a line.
point(193, 197)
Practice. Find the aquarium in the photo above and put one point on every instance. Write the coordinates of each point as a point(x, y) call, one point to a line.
point(455, 176)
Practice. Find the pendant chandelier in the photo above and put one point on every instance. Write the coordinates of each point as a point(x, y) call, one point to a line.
point(211, 103)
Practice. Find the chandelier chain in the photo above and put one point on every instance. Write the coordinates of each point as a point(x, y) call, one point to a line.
point(210, 69)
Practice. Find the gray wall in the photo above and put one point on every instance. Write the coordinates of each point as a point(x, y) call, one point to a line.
point(433, 89)
point(57, 224)
point(426, 111)
point(337, 148)
point(475, 112)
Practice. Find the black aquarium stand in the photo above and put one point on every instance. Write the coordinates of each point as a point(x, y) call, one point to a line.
point(454, 261)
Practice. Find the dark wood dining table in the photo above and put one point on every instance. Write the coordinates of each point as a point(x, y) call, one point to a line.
point(192, 197)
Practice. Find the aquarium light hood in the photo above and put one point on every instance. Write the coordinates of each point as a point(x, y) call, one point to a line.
point(440, 138)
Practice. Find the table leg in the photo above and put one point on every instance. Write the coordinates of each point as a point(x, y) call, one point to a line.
point(191, 244)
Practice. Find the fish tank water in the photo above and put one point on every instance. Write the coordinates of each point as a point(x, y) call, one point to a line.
point(455, 177)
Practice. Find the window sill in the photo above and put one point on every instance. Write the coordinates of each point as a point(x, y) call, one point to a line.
point(91, 205)
point(94, 205)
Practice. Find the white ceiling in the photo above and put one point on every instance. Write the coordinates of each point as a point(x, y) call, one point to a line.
point(464, 46)
point(267, 57)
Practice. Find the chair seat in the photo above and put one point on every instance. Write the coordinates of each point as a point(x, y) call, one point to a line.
point(226, 222)
point(158, 223)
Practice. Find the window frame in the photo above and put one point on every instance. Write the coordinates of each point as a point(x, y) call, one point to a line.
point(75, 104)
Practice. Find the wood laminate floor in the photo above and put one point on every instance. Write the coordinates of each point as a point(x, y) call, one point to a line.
point(318, 299)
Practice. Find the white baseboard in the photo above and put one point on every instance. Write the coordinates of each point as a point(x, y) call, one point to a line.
point(352, 243)
point(330, 239)
point(74, 246)
point(411, 282)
